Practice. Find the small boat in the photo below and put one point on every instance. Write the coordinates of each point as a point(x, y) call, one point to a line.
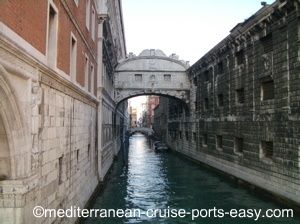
point(161, 147)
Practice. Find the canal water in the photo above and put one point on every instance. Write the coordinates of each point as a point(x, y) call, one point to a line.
point(167, 181)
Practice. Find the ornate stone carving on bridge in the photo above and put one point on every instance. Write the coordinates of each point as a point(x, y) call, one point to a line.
point(152, 73)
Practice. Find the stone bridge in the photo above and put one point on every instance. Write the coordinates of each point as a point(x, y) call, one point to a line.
point(152, 73)
point(143, 130)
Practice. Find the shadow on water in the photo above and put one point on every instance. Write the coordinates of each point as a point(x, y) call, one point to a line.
point(167, 180)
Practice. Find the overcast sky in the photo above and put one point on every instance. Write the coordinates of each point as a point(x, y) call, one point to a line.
point(189, 28)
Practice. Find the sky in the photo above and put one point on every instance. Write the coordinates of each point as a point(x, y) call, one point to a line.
point(189, 28)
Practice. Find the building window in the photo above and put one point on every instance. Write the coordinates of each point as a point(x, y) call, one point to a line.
point(240, 96)
point(52, 36)
point(267, 90)
point(206, 104)
point(60, 169)
point(88, 14)
point(220, 68)
point(93, 23)
point(187, 135)
point(240, 57)
point(219, 142)
point(73, 56)
point(86, 73)
point(204, 140)
point(138, 77)
point(152, 78)
point(89, 152)
point(238, 145)
point(220, 100)
point(206, 75)
point(266, 149)
point(194, 136)
point(267, 43)
point(167, 77)
point(77, 156)
point(92, 84)
point(180, 135)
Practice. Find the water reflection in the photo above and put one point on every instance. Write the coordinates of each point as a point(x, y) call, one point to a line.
point(147, 183)
point(158, 180)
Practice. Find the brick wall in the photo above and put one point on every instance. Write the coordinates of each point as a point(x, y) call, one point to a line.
point(23, 17)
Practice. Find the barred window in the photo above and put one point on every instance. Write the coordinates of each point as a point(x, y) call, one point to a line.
point(266, 149)
point(138, 77)
point(206, 104)
point(240, 96)
point(240, 57)
point(204, 139)
point(167, 77)
point(219, 142)
point(267, 90)
point(220, 100)
point(206, 75)
point(238, 144)
point(267, 43)
point(220, 67)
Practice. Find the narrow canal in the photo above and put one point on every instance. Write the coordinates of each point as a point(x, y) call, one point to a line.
point(166, 180)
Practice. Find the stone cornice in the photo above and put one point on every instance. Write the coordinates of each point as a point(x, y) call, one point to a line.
point(151, 57)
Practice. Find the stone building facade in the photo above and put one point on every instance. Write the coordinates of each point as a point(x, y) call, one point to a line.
point(244, 116)
point(160, 118)
point(59, 126)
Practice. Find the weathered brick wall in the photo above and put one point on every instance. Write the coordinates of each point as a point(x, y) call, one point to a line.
point(246, 115)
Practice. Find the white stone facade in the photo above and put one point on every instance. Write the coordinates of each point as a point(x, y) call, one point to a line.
point(152, 72)
point(51, 145)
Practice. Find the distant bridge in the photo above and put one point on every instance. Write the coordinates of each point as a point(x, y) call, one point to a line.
point(143, 130)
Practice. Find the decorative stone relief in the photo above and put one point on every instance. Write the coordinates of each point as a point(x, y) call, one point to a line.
point(36, 101)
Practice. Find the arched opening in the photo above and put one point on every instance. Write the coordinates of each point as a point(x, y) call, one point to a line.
point(155, 115)
point(5, 171)
point(180, 102)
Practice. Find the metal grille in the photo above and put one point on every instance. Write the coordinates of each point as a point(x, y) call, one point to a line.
point(268, 90)
point(220, 68)
point(238, 144)
point(240, 95)
point(204, 139)
point(267, 149)
point(267, 43)
point(219, 142)
point(187, 135)
point(240, 57)
point(220, 100)
point(206, 104)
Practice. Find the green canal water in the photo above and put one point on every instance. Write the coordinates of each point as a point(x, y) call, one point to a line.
point(167, 181)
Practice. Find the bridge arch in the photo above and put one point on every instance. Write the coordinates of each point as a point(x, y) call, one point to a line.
point(152, 73)
point(180, 101)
